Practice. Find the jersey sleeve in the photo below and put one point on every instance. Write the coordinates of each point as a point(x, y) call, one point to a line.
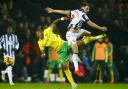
point(85, 18)
point(16, 43)
point(47, 33)
point(71, 14)
point(50, 28)
point(41, 46)
point(1, 41)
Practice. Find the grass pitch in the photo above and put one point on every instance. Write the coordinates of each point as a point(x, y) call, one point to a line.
point(61, 86)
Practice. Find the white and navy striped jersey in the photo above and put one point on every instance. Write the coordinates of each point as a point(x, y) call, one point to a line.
point(9, 43)
point(77, 18)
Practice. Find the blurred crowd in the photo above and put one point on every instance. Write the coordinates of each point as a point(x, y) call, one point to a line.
point(113, 11)
point(29, 66)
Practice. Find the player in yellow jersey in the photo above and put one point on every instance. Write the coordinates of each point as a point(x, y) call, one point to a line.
point(110, 59)
point(54, 64)
point(47, 38)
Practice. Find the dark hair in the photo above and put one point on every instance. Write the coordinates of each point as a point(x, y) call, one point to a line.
point(85, 4)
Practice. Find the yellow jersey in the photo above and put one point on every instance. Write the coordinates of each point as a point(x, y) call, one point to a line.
point(50, 40)
point(40, 43)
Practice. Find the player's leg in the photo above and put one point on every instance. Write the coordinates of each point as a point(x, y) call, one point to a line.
point(96, 71)
point(83, 32)
point(71, 38)
point(102, 68)
point(89, 39)
point(50, 69)
point(86, 40)
point(9, 73)
point(110, 64)
point(69, 74)
point(49, 73)
point(2, 69)
point(9, 62)
point(61, 76)
point(63, 56)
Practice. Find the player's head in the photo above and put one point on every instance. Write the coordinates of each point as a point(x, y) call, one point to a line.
point(106, 40)
point(9, 29)
point(85, 7)
point(100, 40)
point(39, 34)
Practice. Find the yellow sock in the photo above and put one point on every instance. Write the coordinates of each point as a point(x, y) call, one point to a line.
point(86, 40)
point(49, 72)
point(69, 76)
point(100, 75)
point(100, 36)
point(112, 75)
point(61, 73)
point(89, 39)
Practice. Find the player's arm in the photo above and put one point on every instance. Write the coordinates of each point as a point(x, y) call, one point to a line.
point(50, 10)
point(55, 22)
point(16, 43)
point(1, 41)
point(1, 47)
point(111, 48)
point(106, 54)
point(42, 48)
point(94, 25)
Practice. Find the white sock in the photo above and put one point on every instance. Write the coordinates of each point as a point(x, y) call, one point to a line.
point(9, 72)
point(75, 62)
point(3, 75)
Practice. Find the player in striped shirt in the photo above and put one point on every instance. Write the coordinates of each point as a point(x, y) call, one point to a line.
point(9, 44)
point(77, 17)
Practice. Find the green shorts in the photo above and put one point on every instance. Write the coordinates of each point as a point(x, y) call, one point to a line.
point(54, 64)
point(63, 53)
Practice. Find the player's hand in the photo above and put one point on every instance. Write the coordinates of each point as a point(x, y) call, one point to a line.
point(104, 29)
point(64, 18)
point(49, 10)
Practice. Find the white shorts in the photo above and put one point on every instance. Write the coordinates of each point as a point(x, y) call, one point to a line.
point(73, 36)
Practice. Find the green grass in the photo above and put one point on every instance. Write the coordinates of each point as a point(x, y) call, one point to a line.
point(61, 86)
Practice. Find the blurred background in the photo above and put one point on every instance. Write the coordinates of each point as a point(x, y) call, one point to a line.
point(26, 16)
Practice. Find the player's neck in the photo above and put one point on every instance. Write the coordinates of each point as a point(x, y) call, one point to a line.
point(81, 9)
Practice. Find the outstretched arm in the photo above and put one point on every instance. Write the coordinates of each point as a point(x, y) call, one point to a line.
point(94, 25)
point(50, 10)
point(55, 22)
point(41, 47)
